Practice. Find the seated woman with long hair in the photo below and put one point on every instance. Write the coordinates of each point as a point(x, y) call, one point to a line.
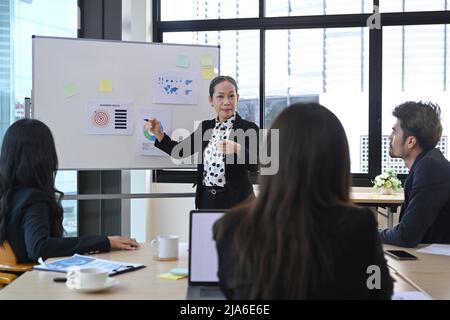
point(31, 216)
point(302, 238)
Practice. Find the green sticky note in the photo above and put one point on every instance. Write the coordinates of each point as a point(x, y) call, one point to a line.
point(206, 60)
point(105, 86)
point(183, 61)
point(208, 73)
point(70, 90)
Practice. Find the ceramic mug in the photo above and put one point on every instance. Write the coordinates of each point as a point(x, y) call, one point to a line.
point(86, 277)
point(165, 247)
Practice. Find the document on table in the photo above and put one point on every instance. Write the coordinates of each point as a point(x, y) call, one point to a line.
point(441, 249)
point(77, 260)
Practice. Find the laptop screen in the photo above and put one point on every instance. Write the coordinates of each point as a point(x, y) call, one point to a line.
point(202, 247)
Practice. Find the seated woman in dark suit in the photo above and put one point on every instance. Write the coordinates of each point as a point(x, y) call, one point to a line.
point(302, 238)
point(30, 215)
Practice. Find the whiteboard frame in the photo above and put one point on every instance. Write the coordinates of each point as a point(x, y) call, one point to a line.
point(161, 164)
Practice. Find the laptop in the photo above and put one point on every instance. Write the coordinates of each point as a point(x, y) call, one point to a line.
point(203, 261)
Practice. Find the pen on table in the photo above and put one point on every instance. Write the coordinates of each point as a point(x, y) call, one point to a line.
point(59, 279)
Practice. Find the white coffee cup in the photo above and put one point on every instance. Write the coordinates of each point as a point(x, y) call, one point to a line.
point(86, 277)
point(165, 247)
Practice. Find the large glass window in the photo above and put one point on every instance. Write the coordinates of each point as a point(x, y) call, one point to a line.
point(321, 65)
point(208, 9)
point(412, 5)
point(276, 8)
point(326, 59)
point(415, 67)
point(19, 21)
point(239, 58)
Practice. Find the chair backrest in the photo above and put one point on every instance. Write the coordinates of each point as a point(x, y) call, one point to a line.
point(8, 260)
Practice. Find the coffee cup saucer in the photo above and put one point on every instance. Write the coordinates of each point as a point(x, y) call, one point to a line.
point(110, 282)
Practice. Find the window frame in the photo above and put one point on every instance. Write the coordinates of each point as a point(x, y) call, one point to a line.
point(263, 23)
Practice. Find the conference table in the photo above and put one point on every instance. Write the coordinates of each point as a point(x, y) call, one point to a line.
point(369, 197)
point(430, 274)
point(141, 284)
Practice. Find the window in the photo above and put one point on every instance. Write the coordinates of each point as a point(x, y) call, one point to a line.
point(412, 5)
point(316, 7)
point(322, 50)
point(208, 9)
point(19, 20)
point(320, 65)
point(415, 67)
point(239, 58)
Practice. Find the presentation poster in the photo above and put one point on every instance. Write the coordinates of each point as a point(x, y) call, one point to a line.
point(175, 87)
point(114, 118)
point(146, 138)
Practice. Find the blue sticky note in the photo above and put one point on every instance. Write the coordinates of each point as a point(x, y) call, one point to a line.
point(179, 271)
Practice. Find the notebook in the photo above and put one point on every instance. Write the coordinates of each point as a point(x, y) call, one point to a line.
point(203, 262)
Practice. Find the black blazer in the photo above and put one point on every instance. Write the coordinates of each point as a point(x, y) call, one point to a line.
point(351, 236)
point(238, 184)
point(28, 230)
point(425, 214)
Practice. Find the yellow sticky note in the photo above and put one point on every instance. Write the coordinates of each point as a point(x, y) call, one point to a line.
point(70, 90)
point(206, 60)
point(208, 73)
point(105, 86)
point(183, 61)
point(171, 276)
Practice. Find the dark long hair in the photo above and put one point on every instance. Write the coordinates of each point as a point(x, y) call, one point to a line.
point(278, 241)
point(28, 159)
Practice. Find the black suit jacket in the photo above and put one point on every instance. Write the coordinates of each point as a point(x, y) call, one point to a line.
point(349, 234)
point(425, 214)
point(28, 230)
point(238, 184)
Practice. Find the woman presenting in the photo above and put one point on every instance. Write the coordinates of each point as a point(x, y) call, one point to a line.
point(224, 160)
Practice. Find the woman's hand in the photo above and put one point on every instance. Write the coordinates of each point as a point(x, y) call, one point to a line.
point(123, 243)
point(228, 147)
point(154, 126)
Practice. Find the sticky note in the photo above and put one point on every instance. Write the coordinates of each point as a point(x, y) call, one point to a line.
point(105, 86)
point(206, 60)
point(70, 90)
point(179, 271)
point(170, 276)
point(208, 73)
point(183, 61)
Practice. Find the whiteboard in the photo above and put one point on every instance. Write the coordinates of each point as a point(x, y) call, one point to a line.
point(73, 77)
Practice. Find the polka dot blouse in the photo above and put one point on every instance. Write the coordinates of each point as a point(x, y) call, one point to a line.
point(214, 161)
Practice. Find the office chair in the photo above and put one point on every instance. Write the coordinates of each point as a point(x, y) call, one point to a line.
point(10, 269)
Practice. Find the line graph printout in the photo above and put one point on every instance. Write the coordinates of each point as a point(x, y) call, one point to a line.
point(113, 118)
point(175, 87)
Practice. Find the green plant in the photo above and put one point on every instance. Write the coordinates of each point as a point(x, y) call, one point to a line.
point(387, 179)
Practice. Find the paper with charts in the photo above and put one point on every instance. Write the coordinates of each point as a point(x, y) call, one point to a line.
point(81, 261)
point(113, 118)
point(175, 87)
point(146, 138)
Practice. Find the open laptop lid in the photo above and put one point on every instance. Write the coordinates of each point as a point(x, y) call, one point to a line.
point(203, 261)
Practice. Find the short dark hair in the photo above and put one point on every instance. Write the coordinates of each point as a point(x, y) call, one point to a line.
point(219, 79)
point(421, 120)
